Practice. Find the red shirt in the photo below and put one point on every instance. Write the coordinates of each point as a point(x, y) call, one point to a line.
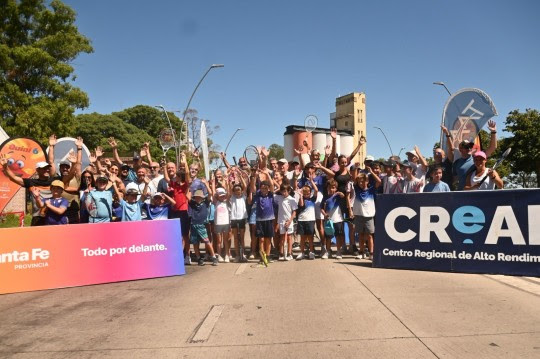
point(179, 195)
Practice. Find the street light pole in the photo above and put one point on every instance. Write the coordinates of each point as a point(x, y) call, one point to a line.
point(380, 129)
point(399, 154)
point(213, 66)
point(442, 119)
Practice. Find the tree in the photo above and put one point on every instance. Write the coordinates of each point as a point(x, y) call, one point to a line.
point(37, 45)
point(276, 151)
point(525, 130)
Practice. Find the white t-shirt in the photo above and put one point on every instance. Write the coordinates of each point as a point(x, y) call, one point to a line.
point(488, 182)
point(419, 173)
point(286, 206)
point(364, 201)
point(334, 213)
point(221, 216)
point(238, 208)
point(413, 186)
point(308, 212)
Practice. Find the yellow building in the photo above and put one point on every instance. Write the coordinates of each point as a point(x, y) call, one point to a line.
point(351, 116)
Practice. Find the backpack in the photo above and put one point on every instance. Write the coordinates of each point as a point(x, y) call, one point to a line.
point(329, 228)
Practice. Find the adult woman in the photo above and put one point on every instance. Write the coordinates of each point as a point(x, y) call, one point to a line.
point(476, 181)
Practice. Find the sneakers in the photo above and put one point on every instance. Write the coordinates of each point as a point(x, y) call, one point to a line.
point(311, 255)
point(251, 256)
point(338, 255)
point(219, 258)
point(187, 260)
point(358, 256)
point(325, 255)
point(281, 258)
point(207, 257)
point(227, 259)
point(289, 257)
point(214, 261)
point(369, 255)
point(300, 257)
point(200, 261)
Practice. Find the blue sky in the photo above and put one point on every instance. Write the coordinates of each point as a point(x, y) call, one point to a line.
point(285, 60)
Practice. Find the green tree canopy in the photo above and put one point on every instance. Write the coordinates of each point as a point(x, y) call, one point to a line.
point(37, 45)
point(276, 151)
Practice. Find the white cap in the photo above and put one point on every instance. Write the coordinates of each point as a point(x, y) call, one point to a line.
point(412, 153)
point(42, 164)
point(369, 158)
point(221, 190)
point(132, 186)
point(283, 160)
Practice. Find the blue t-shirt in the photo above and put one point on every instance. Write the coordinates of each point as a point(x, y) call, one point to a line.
point(158, 212)
point(103, 201)
point(52, 218)
point(198, 211)
point(461, 168)
point(264, 206)
point(437, 187)
point(131, 211)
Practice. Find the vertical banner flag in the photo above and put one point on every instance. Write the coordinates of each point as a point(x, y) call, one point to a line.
point(465, 113)
point(22, 155)
point(204, 147)
point(66, 146)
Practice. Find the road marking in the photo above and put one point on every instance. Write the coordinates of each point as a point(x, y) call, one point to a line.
point(207, 326)
point(527, 284)
point(241, 268)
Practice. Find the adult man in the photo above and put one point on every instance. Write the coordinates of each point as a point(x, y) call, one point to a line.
point(283, 167)
point(42, 182)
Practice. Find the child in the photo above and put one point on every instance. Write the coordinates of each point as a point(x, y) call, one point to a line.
point(306, 218)
point(99, 201)
point(364, 210)
point(332, 212)
point(264, 200)
point(222, 224)
point(131, 207)
point(237, 202)
point(286, 212)
point(160, 206)
point(409, 183)
point(436, 184)
point(198, 212)
point(54, 207)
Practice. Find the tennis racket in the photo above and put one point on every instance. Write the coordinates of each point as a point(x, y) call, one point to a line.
point(503, 157)
point(166, 140)
point(251, 154)
point(204, 149)
point(91, 205)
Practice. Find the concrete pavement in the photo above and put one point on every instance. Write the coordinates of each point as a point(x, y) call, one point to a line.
point(316, 309)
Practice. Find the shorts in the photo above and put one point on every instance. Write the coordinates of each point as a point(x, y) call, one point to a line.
point(364, 225)
point(306, 228)
point(339, 229)
point(288, 230)
point(198, 234)
point(253, 217)
point(265, 229)
point(221, 228)
point(184, 221)
point(238, 223)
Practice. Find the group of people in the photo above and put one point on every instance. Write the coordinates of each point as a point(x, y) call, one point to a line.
point(282, 205)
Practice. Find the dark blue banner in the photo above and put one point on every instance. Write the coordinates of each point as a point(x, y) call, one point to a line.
point(475, 232)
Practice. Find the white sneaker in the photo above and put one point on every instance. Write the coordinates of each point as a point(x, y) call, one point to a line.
point(289, 257)
point(219, 258)
point(325, 255)
point(358, 256)
point(300, 257)
point(368, 256)
point(187, 260)
point(311, 255)
point(251, 256)
point(227, 259)
point(338, 255)
point(281, 258)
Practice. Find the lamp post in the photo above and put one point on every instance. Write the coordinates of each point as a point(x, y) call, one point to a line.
point(442, 119)
point(213, 66)
point(399, 154)
point(172, 131)
point(230, 139)
point(380, 129)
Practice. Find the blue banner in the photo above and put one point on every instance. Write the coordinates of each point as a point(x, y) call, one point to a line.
point(465, 113)
point(476, 232)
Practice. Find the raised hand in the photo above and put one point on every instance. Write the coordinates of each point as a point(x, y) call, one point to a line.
point(327, 150)
point(3, 160)
point(112, 177)
point(143, 152)
point(264, 151)
point(363, 140)
point(108, 163)
point(52, 140)
point(112, 142)
point(35, 191)
point(333, 133)
point(99, 151)
point(79, 141)
point(445, 130)
point(492, 126)
point(299, 150)
point(72, 157)
point(92, 157)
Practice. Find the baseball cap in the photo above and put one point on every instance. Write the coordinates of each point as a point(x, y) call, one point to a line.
point(42, 164)
point(102, 178)
point(136, 157)
point(467, 144)
point(124, 167)
point(369, 158)
point(406, 164)
point(65, 162)
point(198, 193)
point(480, 154)
point(158, 194)
point(283, 160)
point(132, 187)
point(57, 183)
point(412, 153)
point(221, 190)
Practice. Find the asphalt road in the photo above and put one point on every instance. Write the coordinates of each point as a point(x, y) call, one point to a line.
point(316, 309)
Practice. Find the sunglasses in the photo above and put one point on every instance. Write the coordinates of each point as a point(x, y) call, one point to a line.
point(154, 167)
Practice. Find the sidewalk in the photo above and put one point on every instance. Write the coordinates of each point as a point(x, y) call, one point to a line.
point(319, 309)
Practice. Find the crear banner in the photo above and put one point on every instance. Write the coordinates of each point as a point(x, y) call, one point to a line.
point(66, 146)
point(35, 258)
point(476, 232)
point(465, 113)
point(22, 154)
